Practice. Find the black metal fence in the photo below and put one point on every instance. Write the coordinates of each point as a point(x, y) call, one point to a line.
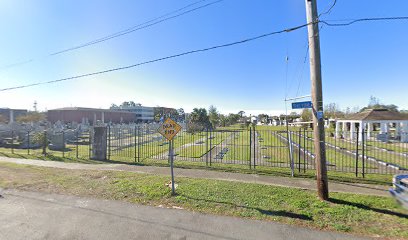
point(360, 153)
point(67, 143)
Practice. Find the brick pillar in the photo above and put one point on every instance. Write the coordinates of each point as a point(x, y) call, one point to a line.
point(99, 146)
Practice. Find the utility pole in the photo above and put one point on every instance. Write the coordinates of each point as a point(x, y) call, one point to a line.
point(317, 99)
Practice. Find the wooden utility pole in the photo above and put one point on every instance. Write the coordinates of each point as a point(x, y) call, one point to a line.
point(317, 99)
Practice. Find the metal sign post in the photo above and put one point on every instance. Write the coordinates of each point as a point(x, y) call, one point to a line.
point(169, 130)
point(171, 156)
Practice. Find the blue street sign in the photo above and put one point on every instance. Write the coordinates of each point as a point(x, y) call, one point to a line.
point(298, 105)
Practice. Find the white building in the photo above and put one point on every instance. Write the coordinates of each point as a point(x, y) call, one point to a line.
point(368, 119)
point(143, 114)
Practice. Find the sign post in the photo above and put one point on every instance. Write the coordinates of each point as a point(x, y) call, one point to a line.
point(171, 156)
point(169, 130)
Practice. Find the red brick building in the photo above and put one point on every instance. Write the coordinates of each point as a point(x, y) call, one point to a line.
point(91, 115)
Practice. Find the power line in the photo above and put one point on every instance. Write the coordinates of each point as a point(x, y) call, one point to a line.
point(203, 50)
point(149, 23)
point(328, 11)
point(327, 22)
point(158, 59)
point(139, 26)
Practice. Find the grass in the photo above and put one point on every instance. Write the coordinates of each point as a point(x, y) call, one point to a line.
point(241, 166)
point(356, 214)
point(155, 153)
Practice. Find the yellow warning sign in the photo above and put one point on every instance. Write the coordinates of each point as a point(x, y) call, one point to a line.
point(169, 129)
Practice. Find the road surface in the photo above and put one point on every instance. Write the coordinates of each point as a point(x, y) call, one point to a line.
point(31, 215)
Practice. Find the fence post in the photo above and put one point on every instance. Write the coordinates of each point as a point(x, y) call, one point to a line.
point(109, 142)
point(99, 143)
point(363, 150)
point(63, 144)
point(255, 141)
point(76, 143)
point(44, 147)
point(135, 142)
point(292, 167)
point(357, 133)
point(28, 142)
point(210, 149)
point(90, 143)
point(138, 143)
point(12, 141)
point(250, 147)
point(299, 146)
point(206, 148)
point(305, 149)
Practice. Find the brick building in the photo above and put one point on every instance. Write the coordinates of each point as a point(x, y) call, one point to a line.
point(90, 115)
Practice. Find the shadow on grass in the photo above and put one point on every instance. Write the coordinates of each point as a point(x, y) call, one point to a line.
point(365, 207)
point(11, 155)
point(279, 213)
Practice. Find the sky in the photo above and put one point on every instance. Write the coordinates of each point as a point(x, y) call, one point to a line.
point(358, 61)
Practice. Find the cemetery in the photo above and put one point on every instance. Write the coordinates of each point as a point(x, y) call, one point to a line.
point(359, 152)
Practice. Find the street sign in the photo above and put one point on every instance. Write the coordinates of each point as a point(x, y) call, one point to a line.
point(169, 129)
point(299, 105)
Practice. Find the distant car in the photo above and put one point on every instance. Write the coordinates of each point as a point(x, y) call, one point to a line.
point(400, 189)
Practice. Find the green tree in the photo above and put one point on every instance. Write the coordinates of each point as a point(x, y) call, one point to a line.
point(31, 117)
point(198, 120)
point(182, 114)
point(263, 118)
point(374, 103)
point(233, 118)
point(223, 120)
point(213, 116)
point(332, 110)
point(306, 115)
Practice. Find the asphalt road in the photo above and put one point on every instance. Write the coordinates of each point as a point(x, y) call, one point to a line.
point(31, 215)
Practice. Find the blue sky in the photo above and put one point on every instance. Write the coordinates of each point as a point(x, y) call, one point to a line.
point(357, 61)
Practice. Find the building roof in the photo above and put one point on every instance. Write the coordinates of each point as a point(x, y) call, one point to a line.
point(89, 109)
point(377, 115)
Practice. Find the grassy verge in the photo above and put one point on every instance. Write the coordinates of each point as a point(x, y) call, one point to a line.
point(363, 215)
point(379, 179)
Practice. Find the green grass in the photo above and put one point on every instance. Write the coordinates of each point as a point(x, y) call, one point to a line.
point(156, 153)
point(357, 214)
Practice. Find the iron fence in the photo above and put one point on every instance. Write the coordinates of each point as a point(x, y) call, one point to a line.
point(360, 153)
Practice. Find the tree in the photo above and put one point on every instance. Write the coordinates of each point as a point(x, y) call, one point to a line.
point(125, 104)
point(198, 120)
point(332, 110)
point(223, 120)
point(374, 103)
point(213, 116)
point(306, 115)
point(182, 114)
point(233, 118)
point(263, 118)
point(31, 117)
point(114, 106)
point(241, 113)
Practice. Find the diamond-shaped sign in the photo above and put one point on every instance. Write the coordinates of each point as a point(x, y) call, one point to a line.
point(169, 129)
